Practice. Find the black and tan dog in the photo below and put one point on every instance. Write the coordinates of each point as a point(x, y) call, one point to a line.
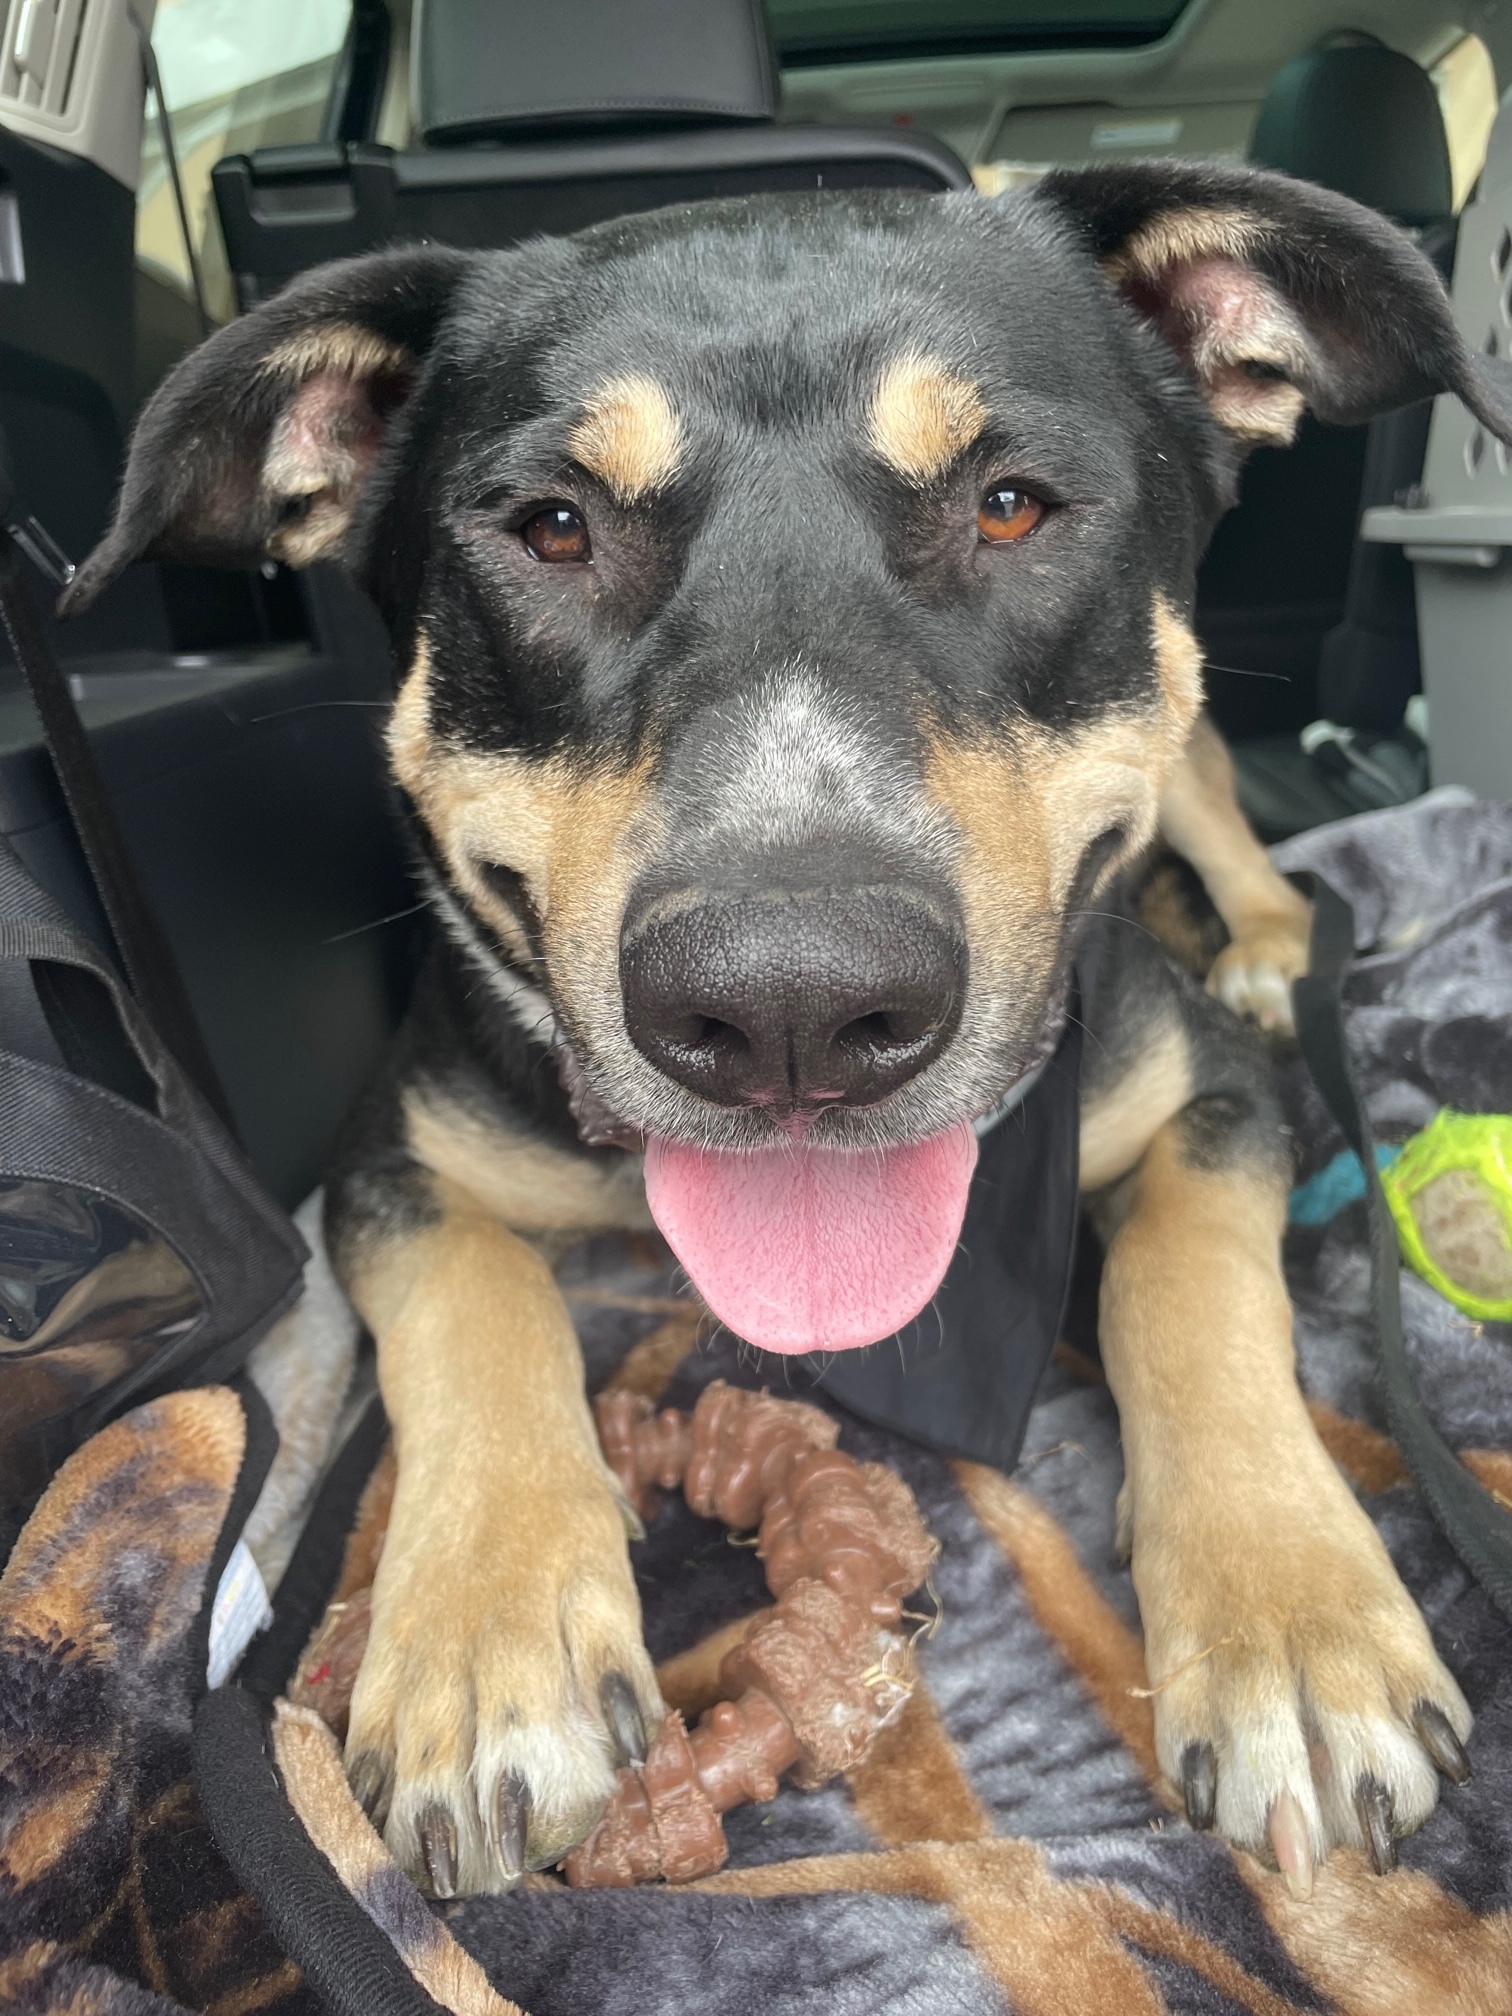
point(792, 604)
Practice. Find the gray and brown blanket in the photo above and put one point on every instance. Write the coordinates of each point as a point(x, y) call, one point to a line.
point(1010, 1846)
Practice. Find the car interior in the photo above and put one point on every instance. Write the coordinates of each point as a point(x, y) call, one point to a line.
point(153, 187)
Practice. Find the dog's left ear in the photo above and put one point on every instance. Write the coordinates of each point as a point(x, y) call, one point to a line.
point(1277, 295)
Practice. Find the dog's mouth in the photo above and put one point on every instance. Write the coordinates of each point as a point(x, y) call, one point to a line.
point(802, 1245)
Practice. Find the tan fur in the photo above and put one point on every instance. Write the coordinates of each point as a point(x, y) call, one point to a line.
point(576, 836)
point(1028, 805)
point(504, 1572)
point(1261, 326)
point(335, 346)
point(1179, 237)
point(922, 416)
point(1164, 902)
point(1178, 660)
point(1257, 1572)
point(527, 1185)
point(1116, 1128)
point(1268, 922)
point(1265, 412)
point(328, 436)
point(630, 437)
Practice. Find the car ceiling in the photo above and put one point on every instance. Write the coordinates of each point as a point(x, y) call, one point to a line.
point(1197, 90)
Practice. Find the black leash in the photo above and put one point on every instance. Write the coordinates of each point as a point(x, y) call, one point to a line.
point(144, 951)
point(1477, 1527)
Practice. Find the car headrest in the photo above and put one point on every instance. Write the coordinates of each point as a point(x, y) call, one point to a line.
point(1362, 120)
point(516, 69)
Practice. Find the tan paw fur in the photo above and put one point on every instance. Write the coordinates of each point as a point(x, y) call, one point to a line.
point(1253, 974)
point(1286, 1643)
point(480, 1733)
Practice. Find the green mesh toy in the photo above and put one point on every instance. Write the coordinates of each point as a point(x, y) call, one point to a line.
point(1450, 1191)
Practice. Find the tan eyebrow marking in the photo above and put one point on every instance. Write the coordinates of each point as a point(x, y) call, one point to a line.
point(630, 437)
point(922, 415)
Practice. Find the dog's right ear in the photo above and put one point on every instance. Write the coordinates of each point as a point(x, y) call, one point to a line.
point(258, 444)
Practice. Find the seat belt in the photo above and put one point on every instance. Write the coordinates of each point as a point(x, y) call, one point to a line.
point(1476, 1525)
point(143, 950)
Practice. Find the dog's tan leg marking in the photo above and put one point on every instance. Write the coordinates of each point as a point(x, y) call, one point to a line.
point(1285, 1651)
point(1268, 922)
point(504, 1598)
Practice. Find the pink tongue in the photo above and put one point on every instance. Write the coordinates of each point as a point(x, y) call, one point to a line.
point(813, 1249)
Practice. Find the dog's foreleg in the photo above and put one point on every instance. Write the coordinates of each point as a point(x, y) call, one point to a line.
point(505, 1676)
point(1299, 1700)
point(1268, 922)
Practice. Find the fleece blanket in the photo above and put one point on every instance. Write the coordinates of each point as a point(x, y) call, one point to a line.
point(1009, 1847)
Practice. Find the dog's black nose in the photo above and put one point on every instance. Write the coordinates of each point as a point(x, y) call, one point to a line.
point(792, 999)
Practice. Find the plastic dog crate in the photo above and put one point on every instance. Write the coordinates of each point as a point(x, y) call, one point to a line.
point(1457, 528)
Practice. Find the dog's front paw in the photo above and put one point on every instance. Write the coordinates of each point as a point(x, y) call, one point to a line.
point(1299, 1703)
point(1253, 974)
point(504, 1682)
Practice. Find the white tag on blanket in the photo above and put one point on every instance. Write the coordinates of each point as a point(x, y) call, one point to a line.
point(241, 1609)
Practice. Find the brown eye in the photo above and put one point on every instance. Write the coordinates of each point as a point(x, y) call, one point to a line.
point(1008, 514)
point(557, 533)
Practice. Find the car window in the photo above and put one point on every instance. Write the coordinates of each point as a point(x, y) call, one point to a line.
point(837, 31)
point(237, 74)
point(1465, 80)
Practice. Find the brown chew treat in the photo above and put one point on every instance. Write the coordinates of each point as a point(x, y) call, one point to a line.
point(327, 1672)
point(817, 1676)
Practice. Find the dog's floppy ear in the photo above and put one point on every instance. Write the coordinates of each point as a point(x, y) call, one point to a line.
point(259, 442)
point(1278, 295)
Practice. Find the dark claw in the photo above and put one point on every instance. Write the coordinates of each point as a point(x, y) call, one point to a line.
point(1437, 1737)
point(622, 1712)
point(511, 1825)
point(438, 1845)
point(368, 1780)
point(1199, 1785)
point(1373, 1805)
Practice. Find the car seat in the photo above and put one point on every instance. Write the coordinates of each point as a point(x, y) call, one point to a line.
point(1286, 588)
point(1455, 528)
point(537, 119)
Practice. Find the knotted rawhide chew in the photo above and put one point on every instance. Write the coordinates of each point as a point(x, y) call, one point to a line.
point(818, 1675)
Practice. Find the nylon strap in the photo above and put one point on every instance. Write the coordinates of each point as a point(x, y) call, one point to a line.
point(1475, 1525)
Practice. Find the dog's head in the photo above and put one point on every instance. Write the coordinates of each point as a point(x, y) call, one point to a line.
point(791, 604)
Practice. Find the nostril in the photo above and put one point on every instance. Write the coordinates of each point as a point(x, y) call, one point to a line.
point(706, 1035)
point(887, 1029)
point(724, 1037)
point(867, 1032)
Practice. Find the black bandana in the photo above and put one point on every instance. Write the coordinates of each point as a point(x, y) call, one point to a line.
point(962, 1377)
